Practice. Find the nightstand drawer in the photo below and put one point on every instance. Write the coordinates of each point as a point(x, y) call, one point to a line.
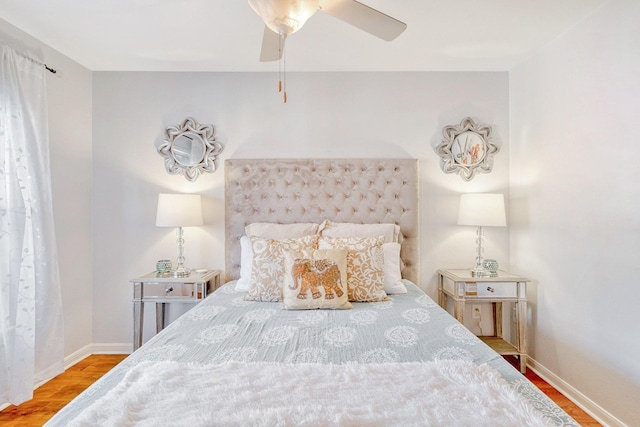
point(168, 290)
point(497, 289)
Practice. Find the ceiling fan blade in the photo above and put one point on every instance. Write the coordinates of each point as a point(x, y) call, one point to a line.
point(272, 46)
point(364, 17)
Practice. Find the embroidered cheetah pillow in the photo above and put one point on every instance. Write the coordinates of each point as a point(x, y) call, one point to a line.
point(315, 279)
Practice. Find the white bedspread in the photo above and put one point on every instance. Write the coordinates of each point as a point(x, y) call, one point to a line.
point(446, 393)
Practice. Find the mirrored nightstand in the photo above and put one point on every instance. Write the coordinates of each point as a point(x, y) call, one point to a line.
point(163, 290)
point(463, 288)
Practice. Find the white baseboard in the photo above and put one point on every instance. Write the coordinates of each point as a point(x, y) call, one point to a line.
point(77, 356)
point(117, 348)
point(88, 350)
point(589, 406)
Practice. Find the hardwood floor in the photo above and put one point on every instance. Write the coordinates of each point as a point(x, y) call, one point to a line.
point(581, 417)
point(52, 396)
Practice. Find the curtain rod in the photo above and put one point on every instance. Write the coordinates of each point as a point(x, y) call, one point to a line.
point(46, 67)
point(49, 69)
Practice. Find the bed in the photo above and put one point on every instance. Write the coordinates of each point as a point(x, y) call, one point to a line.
point(392, 359)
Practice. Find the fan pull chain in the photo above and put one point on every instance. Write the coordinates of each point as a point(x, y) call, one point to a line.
point(282, 67)
point(280, 63)
point(284, 77)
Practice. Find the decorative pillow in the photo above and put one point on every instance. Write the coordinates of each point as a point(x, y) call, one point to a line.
point(392, 271)
point(390, 232)
point(365, 275)
point(315, 279)
point(267, 271)
point(268, 230)
point(246, 261)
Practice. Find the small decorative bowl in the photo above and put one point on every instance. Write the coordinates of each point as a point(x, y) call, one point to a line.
point(491, 265)
point(163, 266)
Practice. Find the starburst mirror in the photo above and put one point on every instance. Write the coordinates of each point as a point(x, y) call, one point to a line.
point(466, 149)
point(190, 149)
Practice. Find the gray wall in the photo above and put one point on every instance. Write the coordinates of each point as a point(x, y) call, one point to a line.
point(328, 115)
point(575, 225)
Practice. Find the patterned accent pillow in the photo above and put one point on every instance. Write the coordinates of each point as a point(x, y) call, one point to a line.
point(365, 266)
point(315, 279)
point(267, 269)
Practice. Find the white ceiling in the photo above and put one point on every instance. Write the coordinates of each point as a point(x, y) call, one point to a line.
point(225, 35)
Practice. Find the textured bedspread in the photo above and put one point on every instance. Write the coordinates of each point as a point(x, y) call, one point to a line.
point(407, 328)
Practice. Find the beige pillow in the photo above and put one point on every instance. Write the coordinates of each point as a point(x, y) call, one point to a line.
point(390, 232)
point(365, 273)
point(315, 279)
point(267, 269)
point(268, 230)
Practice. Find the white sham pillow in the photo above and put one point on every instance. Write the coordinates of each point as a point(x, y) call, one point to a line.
point(246, 262)
point(390, 232)
point(275, 231)
point(392, 269)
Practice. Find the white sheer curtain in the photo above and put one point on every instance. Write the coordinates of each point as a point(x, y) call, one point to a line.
point(31, 344)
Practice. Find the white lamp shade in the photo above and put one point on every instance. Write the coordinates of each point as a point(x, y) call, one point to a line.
point(285, 16)
point(179, 210)
point(482, 209)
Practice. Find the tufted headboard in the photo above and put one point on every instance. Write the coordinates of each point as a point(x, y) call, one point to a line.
point(312, 190)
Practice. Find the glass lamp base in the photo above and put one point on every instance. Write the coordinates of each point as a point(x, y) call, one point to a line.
point(181, 272)
point(480, 272)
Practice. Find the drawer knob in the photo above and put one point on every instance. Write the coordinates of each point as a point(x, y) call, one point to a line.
point(168, 290)
point(490, 289)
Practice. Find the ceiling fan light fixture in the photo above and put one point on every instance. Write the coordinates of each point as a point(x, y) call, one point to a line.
point(285, 17)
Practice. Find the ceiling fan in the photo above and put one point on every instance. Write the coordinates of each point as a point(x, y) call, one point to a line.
point(285, 17)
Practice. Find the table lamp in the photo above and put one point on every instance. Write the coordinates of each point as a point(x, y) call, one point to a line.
point(179, 210)
point(481, 210)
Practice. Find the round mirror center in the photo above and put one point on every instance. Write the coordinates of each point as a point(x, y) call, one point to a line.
point(188, 149)
point(468, 148)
